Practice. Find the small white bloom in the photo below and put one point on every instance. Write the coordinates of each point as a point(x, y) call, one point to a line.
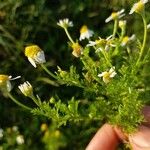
point(115, 15)
point(35, 55)
point(85, 33)
point(15, 128)
point(138, 7)
point(107, 75)
point(26, 88)
point(127, 39)
point(20, 139)
point(102, 44)
point(5, 82)
point(65, 23)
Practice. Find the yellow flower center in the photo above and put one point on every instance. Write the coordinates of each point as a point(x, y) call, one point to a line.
point(101, 42)
point(106, 77)
point(114, 15)
point(44, 127)
point(139, 7)
point(125, 39)
point(83, 29)
point(31, 51)
point(3, 79)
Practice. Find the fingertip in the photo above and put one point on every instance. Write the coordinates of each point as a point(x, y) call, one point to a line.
point(105, 139)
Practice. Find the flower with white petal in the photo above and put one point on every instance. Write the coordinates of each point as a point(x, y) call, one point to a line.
point(65, 23)
point(127, 39)
point(77, 50)
point(35, 55)
point(107, 75)
point(5, 84)
point(115, 15)
point(20, 139)
point(138, 7)
point(85, 33)
point(26, 88)
point(102, 44)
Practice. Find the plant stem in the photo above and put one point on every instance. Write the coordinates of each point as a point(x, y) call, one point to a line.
point(17, 102)
point(115, 27)
point(106, 58)
point(144, 40)
point(68, 35)
point(35, 100)
point(48, 72)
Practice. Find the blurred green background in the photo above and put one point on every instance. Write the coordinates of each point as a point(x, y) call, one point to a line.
point(24, 22)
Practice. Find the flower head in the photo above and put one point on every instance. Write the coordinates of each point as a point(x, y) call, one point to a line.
point(115, 15)
point(5, 84)
point(35, 55)
point(85, 33)
point(138, 7)
point(20, 139)
point(122, 24)
point(127, 39)
point(102, 44)
point(65, 23)
point(26, 89)
point(77, 49)
point(107, 75)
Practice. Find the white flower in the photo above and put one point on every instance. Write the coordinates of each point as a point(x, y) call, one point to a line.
point(20, 139)
point(26, 88)
point(102, 44)
point(138, 7)
point(127, 39)
point(5, 84)
point(85, 33)
point(107, 75)
point(35, 55)
point(65, 23)
point(115, 15)
point(15, 128)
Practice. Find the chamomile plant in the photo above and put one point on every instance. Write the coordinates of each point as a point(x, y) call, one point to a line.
point(110, 78)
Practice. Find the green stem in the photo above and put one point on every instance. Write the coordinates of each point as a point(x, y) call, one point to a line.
point(48, 72)
point(68, 35)
point(106, 58)
point(144, 40)
point(17, 102)
point(35, 100)
point(115, 27)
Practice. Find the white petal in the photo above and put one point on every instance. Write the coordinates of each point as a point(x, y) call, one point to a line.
point(40, 57)
point(113, 74)
point(9, 87)
point(32, 61)
point(91, 43)
point(108, 19)
point(144, 1)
